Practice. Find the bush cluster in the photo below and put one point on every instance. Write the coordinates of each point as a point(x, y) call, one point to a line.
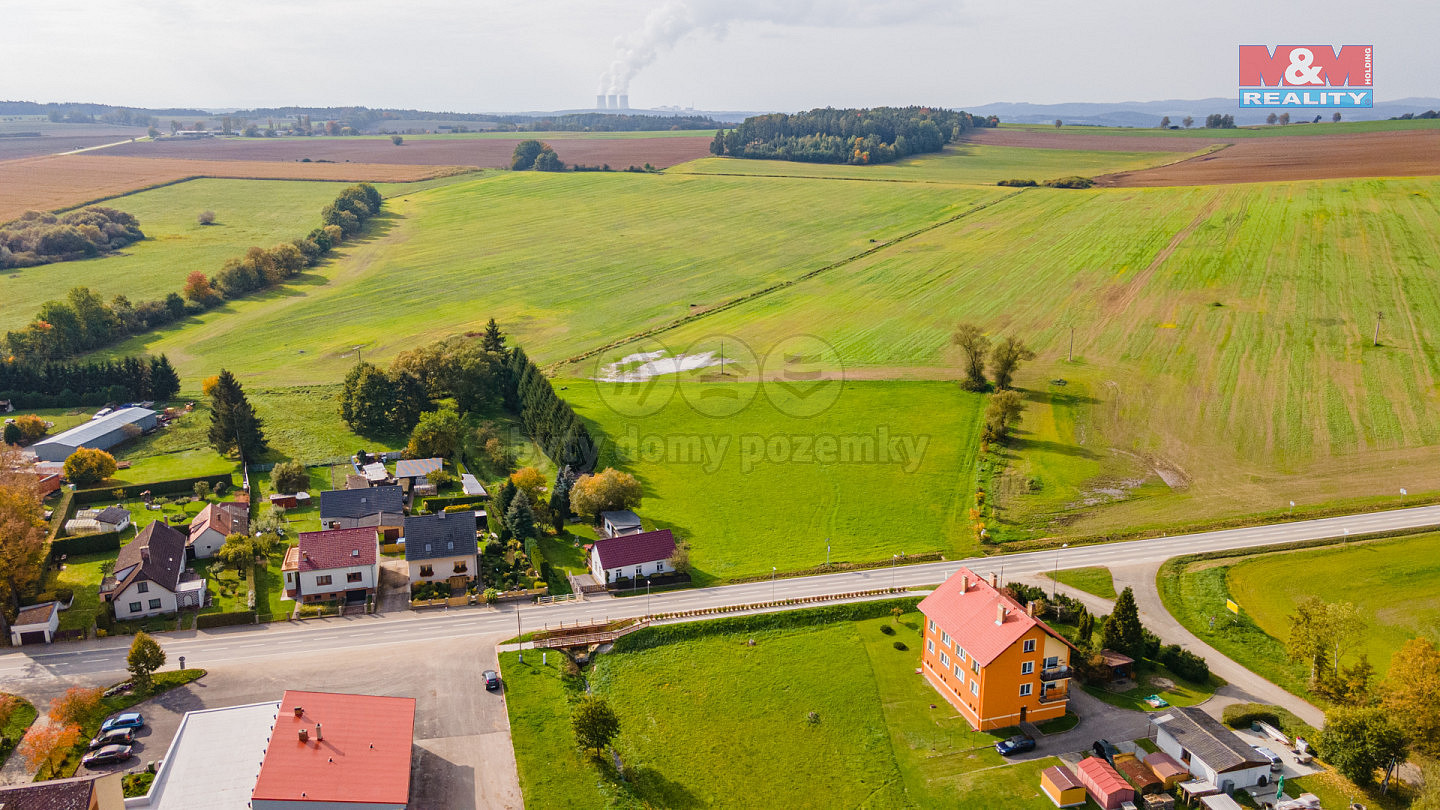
point(40, 238)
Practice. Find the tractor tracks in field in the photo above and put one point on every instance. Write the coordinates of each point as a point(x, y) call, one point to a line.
point(784, 285)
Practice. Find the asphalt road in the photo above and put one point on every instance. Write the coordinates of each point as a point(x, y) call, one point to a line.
point(22, 668)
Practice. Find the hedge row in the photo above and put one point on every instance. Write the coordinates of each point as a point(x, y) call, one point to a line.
point(85, 544)
point(178, 485)
point(1241, 715)
point(655, 636)
point(64, 508)
point(833, 568)
point(205, 620)
point(439, 502)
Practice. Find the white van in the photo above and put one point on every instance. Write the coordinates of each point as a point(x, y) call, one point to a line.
point(1276, 763)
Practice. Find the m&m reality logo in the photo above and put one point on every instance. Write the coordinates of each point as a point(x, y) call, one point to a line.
point(1306, 76)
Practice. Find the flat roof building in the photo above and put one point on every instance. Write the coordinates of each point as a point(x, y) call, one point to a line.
point(213, 761)
point(100, 434)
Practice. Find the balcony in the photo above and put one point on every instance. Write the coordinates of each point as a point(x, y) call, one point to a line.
point(1055, 673)
point(1054, 695)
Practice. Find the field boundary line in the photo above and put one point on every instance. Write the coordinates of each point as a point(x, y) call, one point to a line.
point(751, 296)
point(841, 179)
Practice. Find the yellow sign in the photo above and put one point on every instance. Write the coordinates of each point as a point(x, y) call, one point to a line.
point(1232, 607)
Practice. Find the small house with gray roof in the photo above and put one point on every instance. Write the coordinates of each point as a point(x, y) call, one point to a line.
point(442, 547)
point(1212, 752)
point(150, 579)
point(380, 508)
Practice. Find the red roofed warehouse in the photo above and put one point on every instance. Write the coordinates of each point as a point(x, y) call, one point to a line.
point(994, 662)
point(1104, 784)
point(332, 565)
point(632, 556)
point(337, 751)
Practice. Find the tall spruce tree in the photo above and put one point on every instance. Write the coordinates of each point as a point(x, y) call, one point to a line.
point(494, 340)
point(520, 518)
point(233, 423)
point(1123, 632)
point(164, 382)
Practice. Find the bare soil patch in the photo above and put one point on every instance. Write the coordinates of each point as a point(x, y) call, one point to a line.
point(52, 182)
point(14, 148)
point(1088, 143)
point(1311, 157)
point(480, 152)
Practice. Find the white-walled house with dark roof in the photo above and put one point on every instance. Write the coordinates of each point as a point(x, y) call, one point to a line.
point(441, 546)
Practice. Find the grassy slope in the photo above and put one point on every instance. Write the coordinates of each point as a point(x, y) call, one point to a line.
point(248, 212)
point(559, 270)
point(1094, 580)
point(1394, 583)
point(959, 163)
point(753, 510)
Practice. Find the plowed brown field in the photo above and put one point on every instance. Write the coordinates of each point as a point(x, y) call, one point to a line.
point(482, 152)
point(60, 181)
point(1031, 139)
point(1309, 157)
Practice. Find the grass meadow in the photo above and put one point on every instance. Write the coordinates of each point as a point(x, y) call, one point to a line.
point(248, 213)
point(763, 487)
point(1094, 580)
point(1199, 131)
point(715, 722)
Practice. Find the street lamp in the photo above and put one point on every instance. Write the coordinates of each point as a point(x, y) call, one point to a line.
point(773, 569)
point(1055, 577)
point(893, 558)
point(647, 595)
point(827, 552)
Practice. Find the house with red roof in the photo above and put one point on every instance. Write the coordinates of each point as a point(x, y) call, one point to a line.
point(331, 751)
point(631, 556)
point(991, 657)
point(333, 565)
point(216, 522)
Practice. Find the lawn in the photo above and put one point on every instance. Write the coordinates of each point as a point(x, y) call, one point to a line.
point(1180, 693)
point(963, 163)
point(20, 719)
point(270, 588)
point(714, 721)
point(248, 213)
point(1394, 583)
point(767, 486)
point(229, 592)
point(1094, 580)
point(660, 244)
point(82, 574)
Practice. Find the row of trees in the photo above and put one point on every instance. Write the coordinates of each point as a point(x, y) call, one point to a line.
point(545, 417)
point(535, 155)
point(1003, 358)
point(40, 238)
point(95, 383)
point(858, 136)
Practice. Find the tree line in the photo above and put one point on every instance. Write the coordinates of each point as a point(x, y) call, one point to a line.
point(855, 136)
point(40, 238)
point(59, 385)
point(545, 417)
point(83, 322)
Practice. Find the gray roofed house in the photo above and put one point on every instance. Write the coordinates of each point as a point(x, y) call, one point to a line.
point(441, 546)
point(346, 507)
point(149, 576)
point(1212, 752)
point(99, 791)
point(417, 467)
point(100, 434)
point(620, 522)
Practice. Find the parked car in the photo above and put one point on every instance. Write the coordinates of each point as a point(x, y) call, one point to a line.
point(1018, 744)
point(1276, 763)
point(126, 720)
point(115, 736)
point(1105, 750)
point(492, 679)
point(108, 755)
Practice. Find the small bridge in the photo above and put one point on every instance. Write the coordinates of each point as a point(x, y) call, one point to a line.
point(587, 639)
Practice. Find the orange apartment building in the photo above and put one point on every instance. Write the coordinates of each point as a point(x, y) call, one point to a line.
point(990, 657)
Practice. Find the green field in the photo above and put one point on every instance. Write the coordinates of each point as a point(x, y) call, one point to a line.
point(248, 213)
point(750, 492)
point(1199, 131)
point(1394, 583)
point(714, 722)
point(969, 163)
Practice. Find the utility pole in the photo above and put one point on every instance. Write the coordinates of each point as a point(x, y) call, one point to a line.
point(1055, 577)
point(1071, 357)
point(1379, 316)
point(827, 552)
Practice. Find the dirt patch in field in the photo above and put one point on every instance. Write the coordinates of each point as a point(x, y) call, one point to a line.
point(481, 152)
point(1310, 157)
point(1030, 139)
point(49, 183)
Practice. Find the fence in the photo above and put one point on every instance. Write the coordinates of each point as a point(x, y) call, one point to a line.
point(587, 639)
point(550, 600)
point(798, 600)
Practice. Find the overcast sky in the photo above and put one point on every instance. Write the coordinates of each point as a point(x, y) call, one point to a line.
point(482, 55)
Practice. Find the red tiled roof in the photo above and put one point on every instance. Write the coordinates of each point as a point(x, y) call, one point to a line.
point(334, 548)
point(362, 754)
point(634, 549)
point(968, 615)
point(1099, 778)
point(227, 519)
point(1061, 777)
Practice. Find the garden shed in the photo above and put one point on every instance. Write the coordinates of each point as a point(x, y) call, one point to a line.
point(1166, 769)
point(1139, 776)
point(1103, 784)
point(1062, 786)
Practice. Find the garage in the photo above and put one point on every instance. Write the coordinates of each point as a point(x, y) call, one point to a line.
point(356, 597)
point(34, 637)
point(36, 624)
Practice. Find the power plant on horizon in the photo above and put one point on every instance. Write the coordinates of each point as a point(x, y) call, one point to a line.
point(613, 101)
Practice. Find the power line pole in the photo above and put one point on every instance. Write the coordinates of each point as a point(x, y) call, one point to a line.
point(1071, 358)
point(1379, 316)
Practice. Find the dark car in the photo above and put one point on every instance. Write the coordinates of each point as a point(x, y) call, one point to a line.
point(115, 736)
point(1105, 750)
point(492, 679)
point(108, 755)
point(1018, 744)
point(126, 720)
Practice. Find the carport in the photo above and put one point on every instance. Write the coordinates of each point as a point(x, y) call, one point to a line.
point(36, 624)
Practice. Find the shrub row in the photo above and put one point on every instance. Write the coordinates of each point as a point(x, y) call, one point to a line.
point(440, 502)
point(1184, 663)
point(205, 620)
point(1241, 715)
point(85, 544)
point(178, 485)
point(64, 508)
point(651, 637)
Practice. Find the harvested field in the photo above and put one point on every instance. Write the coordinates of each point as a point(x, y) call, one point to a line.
point(1031, 139)
point(53, 182)
point(14, 148)
point(489, 152)
point(1315, 157)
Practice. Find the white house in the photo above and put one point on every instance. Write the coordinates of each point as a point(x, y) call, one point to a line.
point(36, 624)
point(337, 564)
point(441, 546)
point(1212, 752)
point(150, 578)
point(109, 519)
point(632, 555)
point(214, 523)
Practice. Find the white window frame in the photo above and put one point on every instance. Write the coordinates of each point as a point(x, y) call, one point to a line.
point(1029, 645)
point(1025, 689)
point(974, 687)
point(944, 660)
point(930, 645)
point(1027, 668)
point(1052, 662)
point(959, 672)
point(944, 638)
point(932, 625)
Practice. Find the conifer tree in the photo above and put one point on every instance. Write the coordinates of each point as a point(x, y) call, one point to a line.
point(233, 423)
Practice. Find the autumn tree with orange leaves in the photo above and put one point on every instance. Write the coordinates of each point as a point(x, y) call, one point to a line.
point(48, 744)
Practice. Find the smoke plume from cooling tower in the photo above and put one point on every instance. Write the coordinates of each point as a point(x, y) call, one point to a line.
point(670, 23)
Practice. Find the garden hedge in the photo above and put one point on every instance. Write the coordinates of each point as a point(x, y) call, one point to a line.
point(656, 636)
point(64, 508)
point(439, 502)
point(205, 620)
point(178, 485)
point(85, 544)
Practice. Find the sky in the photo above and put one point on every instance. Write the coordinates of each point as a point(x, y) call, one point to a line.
point(487, 56)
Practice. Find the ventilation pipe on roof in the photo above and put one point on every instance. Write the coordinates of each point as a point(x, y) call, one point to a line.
point(1000, 613)
point(318, 735)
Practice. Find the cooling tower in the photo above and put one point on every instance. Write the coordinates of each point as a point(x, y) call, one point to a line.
point(612, 101)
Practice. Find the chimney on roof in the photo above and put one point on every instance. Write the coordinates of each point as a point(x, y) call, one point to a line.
point(299, 711)
point(994, 580)
point(145, 554)
point(964, 583)
point(318, 735)
point(1030, 609)
point(304, 735)
point(999, 613)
